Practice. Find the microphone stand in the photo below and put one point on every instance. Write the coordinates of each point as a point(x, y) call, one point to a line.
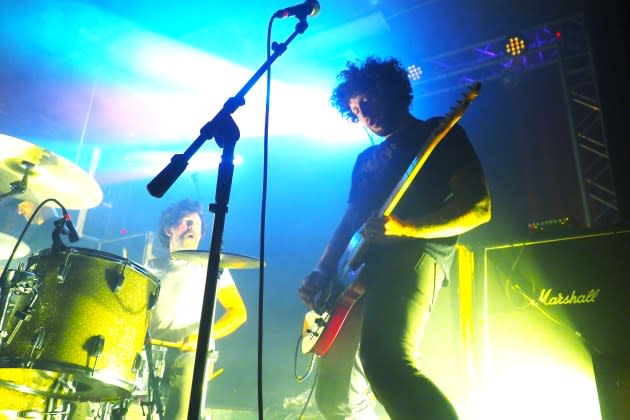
point(226, 133)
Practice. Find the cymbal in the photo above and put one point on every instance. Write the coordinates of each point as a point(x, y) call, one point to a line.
point(227, 260)
point(7, 243)
point(51, 176)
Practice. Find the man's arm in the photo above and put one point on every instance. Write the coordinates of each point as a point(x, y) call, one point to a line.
point(317, 279)
point(338, 241)
point(467, 207)
point(235, 313)
point(234, 316)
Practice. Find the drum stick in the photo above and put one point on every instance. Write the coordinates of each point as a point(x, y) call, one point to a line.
point(164, 343)
point(215, 374)
point(173, 345)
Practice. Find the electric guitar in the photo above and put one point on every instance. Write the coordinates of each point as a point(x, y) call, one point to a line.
point(322, 325)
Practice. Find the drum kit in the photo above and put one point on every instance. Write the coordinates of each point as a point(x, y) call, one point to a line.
point(73, 321)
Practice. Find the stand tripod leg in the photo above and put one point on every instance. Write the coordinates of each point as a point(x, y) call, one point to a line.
point(213, 355)
point(154, 386)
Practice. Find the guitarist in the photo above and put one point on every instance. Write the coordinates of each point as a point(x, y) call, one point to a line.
point(409, 253)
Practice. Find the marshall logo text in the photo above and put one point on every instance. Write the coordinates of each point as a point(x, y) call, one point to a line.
point(549, 297)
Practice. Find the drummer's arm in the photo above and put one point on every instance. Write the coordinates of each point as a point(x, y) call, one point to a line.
point(235, 313)
point(234, 316)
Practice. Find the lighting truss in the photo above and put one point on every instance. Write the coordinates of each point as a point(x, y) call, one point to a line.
point(564, 43)
point(487, 60)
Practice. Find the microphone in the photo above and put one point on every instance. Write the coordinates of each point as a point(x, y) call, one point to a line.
point(308, 8)
point(73, 235)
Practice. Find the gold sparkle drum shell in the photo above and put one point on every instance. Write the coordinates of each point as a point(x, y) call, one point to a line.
point(85, 331)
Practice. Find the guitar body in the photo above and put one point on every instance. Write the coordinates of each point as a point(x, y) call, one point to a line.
point(321, 329)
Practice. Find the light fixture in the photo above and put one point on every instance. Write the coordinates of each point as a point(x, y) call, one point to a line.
point(414, 72)
point(514, 46)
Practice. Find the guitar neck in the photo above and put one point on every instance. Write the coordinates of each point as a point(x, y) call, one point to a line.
point(418, 162)
point(436, 136)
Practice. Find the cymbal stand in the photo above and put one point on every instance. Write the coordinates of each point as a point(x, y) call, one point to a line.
point(154, 385)
point(20, 274)
point(225, 132)
point(16, 187)
point(19, 187)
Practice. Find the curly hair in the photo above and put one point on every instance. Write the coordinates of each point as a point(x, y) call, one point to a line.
point(383, 78)
point(173, 214)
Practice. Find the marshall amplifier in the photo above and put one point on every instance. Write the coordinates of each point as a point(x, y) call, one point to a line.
point(571, 286)
point(581, 282)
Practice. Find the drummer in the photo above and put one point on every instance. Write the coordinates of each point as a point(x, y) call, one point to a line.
point(176, 316)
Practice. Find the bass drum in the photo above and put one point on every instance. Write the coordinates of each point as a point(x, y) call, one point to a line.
point(76, 324)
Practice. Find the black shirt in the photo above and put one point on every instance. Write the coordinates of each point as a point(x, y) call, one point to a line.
point(379, 168)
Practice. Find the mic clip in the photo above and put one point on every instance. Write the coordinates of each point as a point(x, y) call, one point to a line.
point(58, 246)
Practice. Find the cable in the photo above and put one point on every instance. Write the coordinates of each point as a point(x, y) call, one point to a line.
point(308, 399)
point(302, 378)
point(263, 216)
point(311, 364)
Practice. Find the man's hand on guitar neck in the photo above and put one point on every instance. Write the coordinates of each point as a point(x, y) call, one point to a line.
point(313, 287)
point(384, 230)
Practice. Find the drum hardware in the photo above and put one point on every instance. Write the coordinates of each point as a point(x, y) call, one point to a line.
point(153, 298)
point(25, 313)
point(137, 364)
point(62, 272)
point(64, 384)
point(37, 345)
point(32, 414)
point(4, 306)
point(21, 283)
point(154, 385)
point(19, 187)
point(58, 246)
point(119, 279)
point(95, 346)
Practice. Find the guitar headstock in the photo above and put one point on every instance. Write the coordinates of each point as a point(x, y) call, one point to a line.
point(462, 104)
point(472, 92)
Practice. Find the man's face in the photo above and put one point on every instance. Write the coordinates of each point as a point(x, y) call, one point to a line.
point(373, 114)
point(186, 234)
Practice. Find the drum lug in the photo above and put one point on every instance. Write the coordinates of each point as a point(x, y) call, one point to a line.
point(62, 272)
point(137, 363)
point(95, 346)
point(153, 297)
point(119, 279)
point(37, 343)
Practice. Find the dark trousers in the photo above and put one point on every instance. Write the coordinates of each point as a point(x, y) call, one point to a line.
point(376, 349)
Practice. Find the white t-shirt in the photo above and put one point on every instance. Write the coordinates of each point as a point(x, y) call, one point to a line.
point(177, 312)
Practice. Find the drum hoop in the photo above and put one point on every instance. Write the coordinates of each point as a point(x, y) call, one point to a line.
point(103, 376)
point(97, 253)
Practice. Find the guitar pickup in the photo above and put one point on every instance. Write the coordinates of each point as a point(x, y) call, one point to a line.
point(320, 322)
point(312, 333)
